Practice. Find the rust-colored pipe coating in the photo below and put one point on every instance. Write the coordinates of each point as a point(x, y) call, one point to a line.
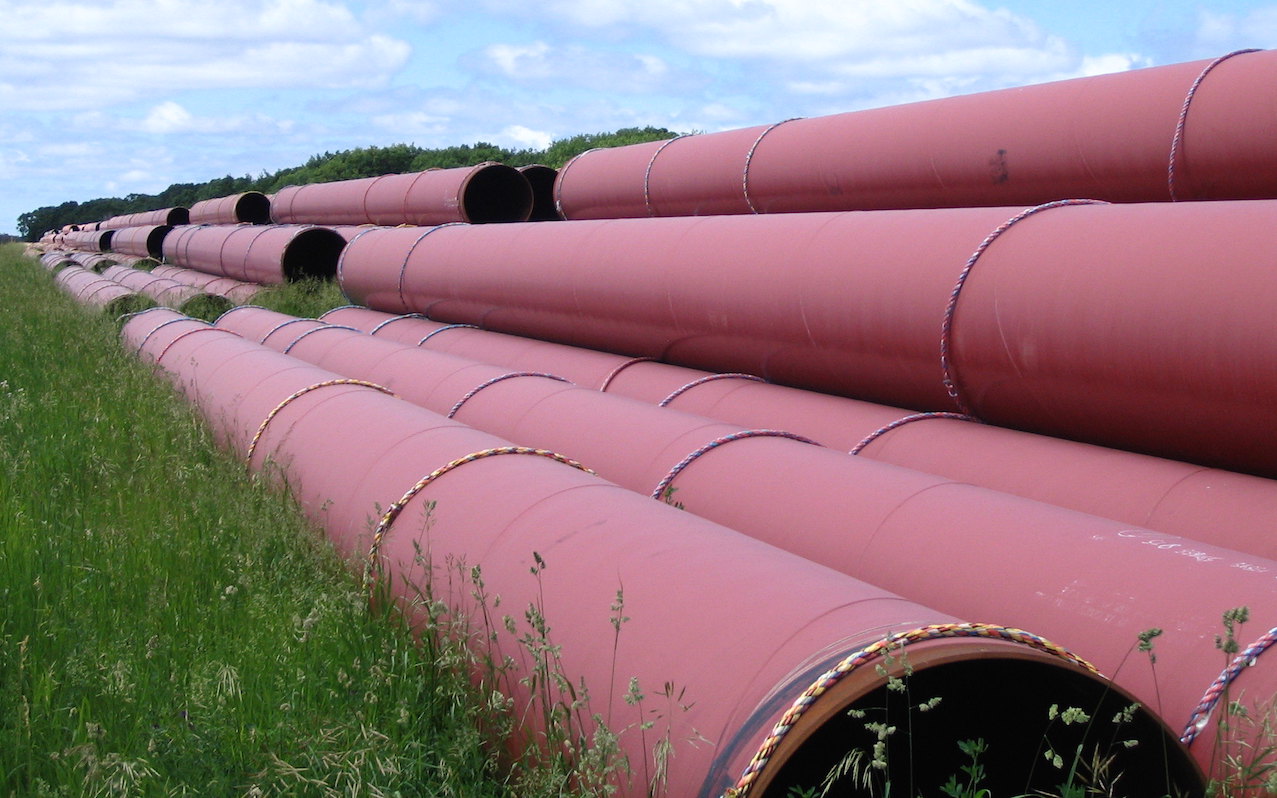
point(237, 291)
point(251, 207)
point(165, 216)
point(265, 254)
point(487, 192)
point(864, 518)
point(1090, 322)
point(168, 292)
point(95, 291)
point(142, 242)
point(1224, 508)
point(1196, 130)
point(552, 537)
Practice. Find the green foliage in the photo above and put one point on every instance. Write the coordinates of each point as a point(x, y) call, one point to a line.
point(308, 299)
point(169, 626)
point(341, 165)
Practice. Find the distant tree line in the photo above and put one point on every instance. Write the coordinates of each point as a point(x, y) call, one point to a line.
point(343, 165)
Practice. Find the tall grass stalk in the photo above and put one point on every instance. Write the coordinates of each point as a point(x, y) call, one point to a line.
point(170, 627)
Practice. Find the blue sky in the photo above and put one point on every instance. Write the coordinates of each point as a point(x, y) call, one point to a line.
point(118, 96)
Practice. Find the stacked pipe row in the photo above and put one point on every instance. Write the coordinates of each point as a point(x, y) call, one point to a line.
point(1090, 322)
point(163, 216)
point(864, 518)
point(487, 192)
point(237, 291)
point(1224, 508)
point(99, 292)
point(550, 535)
point(1196, 130)
point(250, 207)
point(263, 254)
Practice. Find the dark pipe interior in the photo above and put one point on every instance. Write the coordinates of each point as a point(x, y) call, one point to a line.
point(104, 241)
point(155, 240)
point(1005, 703)
point(178, 216)
point(253, 207)
point(541, 179)
point(496, 193)
point(313, 253)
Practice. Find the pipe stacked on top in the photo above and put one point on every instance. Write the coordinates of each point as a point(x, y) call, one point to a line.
point(1224, 508)
point(487, 192)
point(1090, 322)
point(864, 518)
point(264, 254)
point(548, 535)
point(1196, 130)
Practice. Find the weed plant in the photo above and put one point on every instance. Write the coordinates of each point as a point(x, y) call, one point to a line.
point(170, 627)
point(308, 298)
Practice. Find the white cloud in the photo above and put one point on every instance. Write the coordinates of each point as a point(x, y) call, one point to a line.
point(12, 163)
point(411, 124)
point(65, 56)
point(574, 65)
point(1220, 33)
point(827, 48)
point(520, 137)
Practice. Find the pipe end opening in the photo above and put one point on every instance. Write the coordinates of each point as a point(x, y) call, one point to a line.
point(496, 193)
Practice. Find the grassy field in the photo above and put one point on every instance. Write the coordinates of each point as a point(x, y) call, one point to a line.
point(168, 626)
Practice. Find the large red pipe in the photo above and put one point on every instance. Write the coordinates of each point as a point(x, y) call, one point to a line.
point(682, 580)
point(265, 254)
point(487, 192)
point(142, 242)
point(251, 207)
point(167, 292)
point(1089, 322)
point(95, 291)
point(165, 216)
point(1197, 130)
point(866, 519)
point(237, 291)
point(90, 240)
point(1224, 508)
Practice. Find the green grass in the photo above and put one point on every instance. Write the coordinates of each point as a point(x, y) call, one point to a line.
point(167, 625)
point(306, 299)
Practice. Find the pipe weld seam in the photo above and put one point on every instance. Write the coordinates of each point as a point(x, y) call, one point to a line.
point(1201, 714)
point(749, 158)
point(647, 173)
point(392, 512)
point(511, 375)
point(900, 422)
point(611, 375)
point(208, 328)
point(261, 429)
point(946, 364)
point(400, 317)
point(403, 268)
point(1177, 141)
point(873, 651)
point(341, 260)
point(162, 325)
point(558, 182)
point(317, 329)
point(659, 492)
point(707, 378)
point(279, 327)
point(433, 333)
point(121, 319)
point(343, 307)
